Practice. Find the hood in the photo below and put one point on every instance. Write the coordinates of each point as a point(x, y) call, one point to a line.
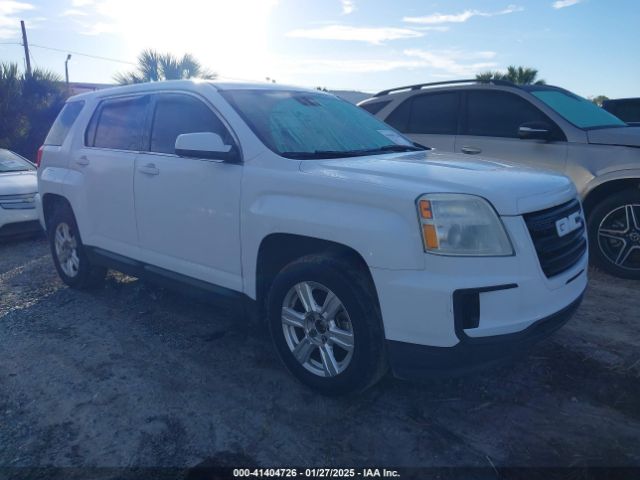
point(512, 190)
point(624, 136)
point(18, 183)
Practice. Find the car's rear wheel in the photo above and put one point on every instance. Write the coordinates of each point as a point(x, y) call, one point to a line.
point(69, 255)
point(325, 324)
point(614, 234)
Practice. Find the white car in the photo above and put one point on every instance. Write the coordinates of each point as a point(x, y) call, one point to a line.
point(18, 189)
point(360, 250)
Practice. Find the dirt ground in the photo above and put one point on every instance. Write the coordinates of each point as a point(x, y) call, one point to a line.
point(136, 376)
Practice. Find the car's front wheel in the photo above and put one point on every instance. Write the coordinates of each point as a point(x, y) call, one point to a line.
point(325, 324)
point(614, 234)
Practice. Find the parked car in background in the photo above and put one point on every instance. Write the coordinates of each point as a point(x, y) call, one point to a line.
point(360, 250)
point(627, 109)
point(18, 189)
point(542, 127)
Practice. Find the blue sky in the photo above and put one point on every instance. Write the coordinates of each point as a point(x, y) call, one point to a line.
point(588, 46)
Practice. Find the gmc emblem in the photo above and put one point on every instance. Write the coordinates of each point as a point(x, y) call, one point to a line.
point(566, 225)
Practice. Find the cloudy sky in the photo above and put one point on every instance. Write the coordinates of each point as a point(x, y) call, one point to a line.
point(588, 46)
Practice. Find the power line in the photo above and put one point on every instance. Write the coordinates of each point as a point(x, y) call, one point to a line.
point(82, 54)
point(71, 51)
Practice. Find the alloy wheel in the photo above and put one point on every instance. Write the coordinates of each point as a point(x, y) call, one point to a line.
point(317, 329)
point(67, 250)
point(619, 237)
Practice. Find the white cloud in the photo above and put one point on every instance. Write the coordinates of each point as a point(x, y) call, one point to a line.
point(565, 3)
point(73, 12)
point(454, 62)
point(461, 17)
point(81, 3)
point(373, 35)
point(348, 6)
point(9, 22)
point(443, 63)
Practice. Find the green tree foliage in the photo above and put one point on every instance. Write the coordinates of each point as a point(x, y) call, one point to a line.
point(599, 99)
point(154, 67)
point(518, 75)
point(28, 107)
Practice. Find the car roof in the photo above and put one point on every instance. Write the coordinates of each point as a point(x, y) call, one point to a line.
point(410, 90)
point(220, 85)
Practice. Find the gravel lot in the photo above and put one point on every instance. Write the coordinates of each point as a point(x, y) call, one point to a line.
point(134, 376)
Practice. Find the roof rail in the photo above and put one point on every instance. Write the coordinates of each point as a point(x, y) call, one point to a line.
point(448, 82)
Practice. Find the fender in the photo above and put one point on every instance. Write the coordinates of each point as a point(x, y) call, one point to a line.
point(384, 238)
point(626, 174)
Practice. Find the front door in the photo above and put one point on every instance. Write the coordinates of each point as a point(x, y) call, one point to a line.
point(490, 128)
point(187, 209)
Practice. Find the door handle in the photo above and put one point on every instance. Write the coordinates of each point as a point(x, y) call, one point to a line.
point(149, 169)
point(83, 160)
point(471, 150)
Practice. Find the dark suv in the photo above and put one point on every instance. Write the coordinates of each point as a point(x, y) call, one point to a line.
point(627, 109)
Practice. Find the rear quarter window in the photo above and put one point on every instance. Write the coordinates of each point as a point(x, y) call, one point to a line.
point(63, 123)
point(374, 107)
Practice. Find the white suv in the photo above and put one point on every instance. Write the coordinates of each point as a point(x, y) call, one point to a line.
point(360, 249)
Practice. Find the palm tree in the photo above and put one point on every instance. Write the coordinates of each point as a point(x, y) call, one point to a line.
point(28, 106)
point(518, 75)
point(154, 67)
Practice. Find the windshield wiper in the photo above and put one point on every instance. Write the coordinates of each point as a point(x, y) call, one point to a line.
point(319, 154)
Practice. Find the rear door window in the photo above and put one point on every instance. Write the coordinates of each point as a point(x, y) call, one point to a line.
point(435, 113)
point(432, 113)
point(119, 124)
point(176, 114)
point(63, 123)
point(499, 114)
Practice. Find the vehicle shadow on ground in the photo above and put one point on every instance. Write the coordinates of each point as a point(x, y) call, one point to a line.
point(135, 375)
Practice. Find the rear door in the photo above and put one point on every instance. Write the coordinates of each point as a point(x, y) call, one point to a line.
point(187, 209)
point(106, 162)
point(490, 124)
point(430, 119)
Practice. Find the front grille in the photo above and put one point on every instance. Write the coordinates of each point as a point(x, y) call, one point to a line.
point(18, 202)
point(556, 254)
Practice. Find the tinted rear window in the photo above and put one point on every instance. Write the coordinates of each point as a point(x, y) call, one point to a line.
point(64, 122)
point(119, 124)
point(435, 113)
point(374, 107)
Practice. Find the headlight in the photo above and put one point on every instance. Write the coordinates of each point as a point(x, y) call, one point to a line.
point(456, 224)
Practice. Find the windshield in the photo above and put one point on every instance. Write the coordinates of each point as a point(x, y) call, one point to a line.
point(307, 125)
point(577, 110)
point(11, 162)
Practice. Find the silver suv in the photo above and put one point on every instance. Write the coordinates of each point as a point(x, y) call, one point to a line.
point(539, 126)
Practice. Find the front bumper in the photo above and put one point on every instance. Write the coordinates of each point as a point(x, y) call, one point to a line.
point(18, 222)
point(462, 312)
point(412, 361)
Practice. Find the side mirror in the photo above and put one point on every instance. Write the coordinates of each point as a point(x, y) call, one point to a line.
point(205, 145)
point(534, 131)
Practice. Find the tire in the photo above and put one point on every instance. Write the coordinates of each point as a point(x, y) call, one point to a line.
point(78, 274)
point(614, 234)
point(353, 370)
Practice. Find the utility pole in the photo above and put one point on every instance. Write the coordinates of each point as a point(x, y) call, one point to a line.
point(66, 69)
point(25, 43)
